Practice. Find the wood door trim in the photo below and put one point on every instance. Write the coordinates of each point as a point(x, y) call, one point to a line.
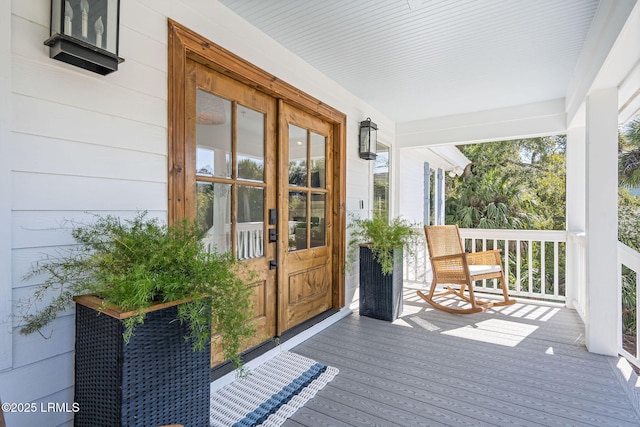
point(200, 49)
point(183, 44)
point(339, 250)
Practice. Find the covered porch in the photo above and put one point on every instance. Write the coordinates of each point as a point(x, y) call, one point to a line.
point(524, 364)
point(78, 143)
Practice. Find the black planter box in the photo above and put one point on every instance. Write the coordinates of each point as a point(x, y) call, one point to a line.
point(155, 379)
point(380, 294)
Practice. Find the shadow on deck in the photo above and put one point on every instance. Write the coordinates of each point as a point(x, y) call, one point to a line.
point(524, 365)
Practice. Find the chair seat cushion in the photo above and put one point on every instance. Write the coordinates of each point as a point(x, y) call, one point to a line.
point(476, 270)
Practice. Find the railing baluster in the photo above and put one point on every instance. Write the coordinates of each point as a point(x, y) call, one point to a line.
point(556, 275)
point(518, 264)
point(543, 271)
point(506, 263)
point(530, 266)
point(637, 305)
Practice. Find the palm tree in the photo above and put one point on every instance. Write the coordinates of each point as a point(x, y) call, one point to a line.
point(488, 200)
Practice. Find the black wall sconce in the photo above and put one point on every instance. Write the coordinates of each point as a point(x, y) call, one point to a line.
point(85, 33)
point(368, 139)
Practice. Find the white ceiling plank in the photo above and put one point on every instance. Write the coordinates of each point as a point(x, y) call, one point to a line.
point(442, 58)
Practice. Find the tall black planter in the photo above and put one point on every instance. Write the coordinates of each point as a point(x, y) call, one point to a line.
point(380, 294)
point(155, 379)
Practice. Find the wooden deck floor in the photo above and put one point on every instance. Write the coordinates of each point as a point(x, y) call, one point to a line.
point(523, 365)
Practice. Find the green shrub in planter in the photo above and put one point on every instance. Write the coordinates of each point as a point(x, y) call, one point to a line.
point(136, 263)
point(382, 236)
point(381, 244)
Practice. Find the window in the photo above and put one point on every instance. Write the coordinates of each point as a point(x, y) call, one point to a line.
point(381, 182)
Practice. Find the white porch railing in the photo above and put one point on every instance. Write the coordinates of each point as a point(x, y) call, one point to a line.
point(629, 286)
point(534, 268)
point(538, 266)
point(249, 240)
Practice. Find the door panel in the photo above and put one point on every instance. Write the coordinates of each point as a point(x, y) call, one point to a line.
point(230, 155)
point(305, 225)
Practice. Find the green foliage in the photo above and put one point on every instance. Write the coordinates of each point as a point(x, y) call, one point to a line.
point(510, 184)
point(136, 263)
point(487, 201)
point(629, 310)
point(629, 154)
point(628, 219)
point(382, 236)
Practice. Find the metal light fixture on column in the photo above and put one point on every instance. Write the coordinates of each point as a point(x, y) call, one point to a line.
point(368, 139)
point(85, 33)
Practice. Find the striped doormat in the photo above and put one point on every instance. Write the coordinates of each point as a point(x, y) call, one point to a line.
point(271, 393)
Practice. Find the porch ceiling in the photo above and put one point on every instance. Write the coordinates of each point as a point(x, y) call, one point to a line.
point(418, 59)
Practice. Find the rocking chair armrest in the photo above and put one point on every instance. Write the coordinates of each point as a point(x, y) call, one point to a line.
point(490, 257)
point(450, 267)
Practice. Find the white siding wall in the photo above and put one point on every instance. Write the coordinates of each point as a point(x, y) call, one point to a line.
point(5, 187)
point(411, 185)
point(74, 142)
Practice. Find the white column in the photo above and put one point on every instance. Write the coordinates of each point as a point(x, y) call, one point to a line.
point(440, 196)
point(426, 201)
point(602, 299)
point(5, 187)
point(575, 208)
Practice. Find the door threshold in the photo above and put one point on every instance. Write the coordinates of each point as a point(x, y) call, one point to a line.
point(270, 349)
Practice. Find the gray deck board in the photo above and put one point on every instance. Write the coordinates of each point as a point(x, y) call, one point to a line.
point(308, 416)
point(520, 365)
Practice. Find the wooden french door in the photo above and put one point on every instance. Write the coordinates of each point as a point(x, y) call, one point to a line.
point(231, 140)
point(305, 198)
point(261, 188)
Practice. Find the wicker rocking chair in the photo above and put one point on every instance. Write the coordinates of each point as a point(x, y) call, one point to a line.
point(451, 265)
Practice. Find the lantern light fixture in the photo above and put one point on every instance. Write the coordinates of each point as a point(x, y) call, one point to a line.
point(85, 33)
point(368, 139)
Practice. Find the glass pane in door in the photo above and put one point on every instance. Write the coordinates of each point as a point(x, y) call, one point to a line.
point(297, 156)
point(318, 160)
point(297, 220)
point(317, 223)
point(213, 215)
point(250, 144)
point(250, 223)
point(213, 135)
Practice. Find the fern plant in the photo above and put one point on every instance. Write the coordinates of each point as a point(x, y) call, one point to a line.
point(134, 264)
point(382, 236)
